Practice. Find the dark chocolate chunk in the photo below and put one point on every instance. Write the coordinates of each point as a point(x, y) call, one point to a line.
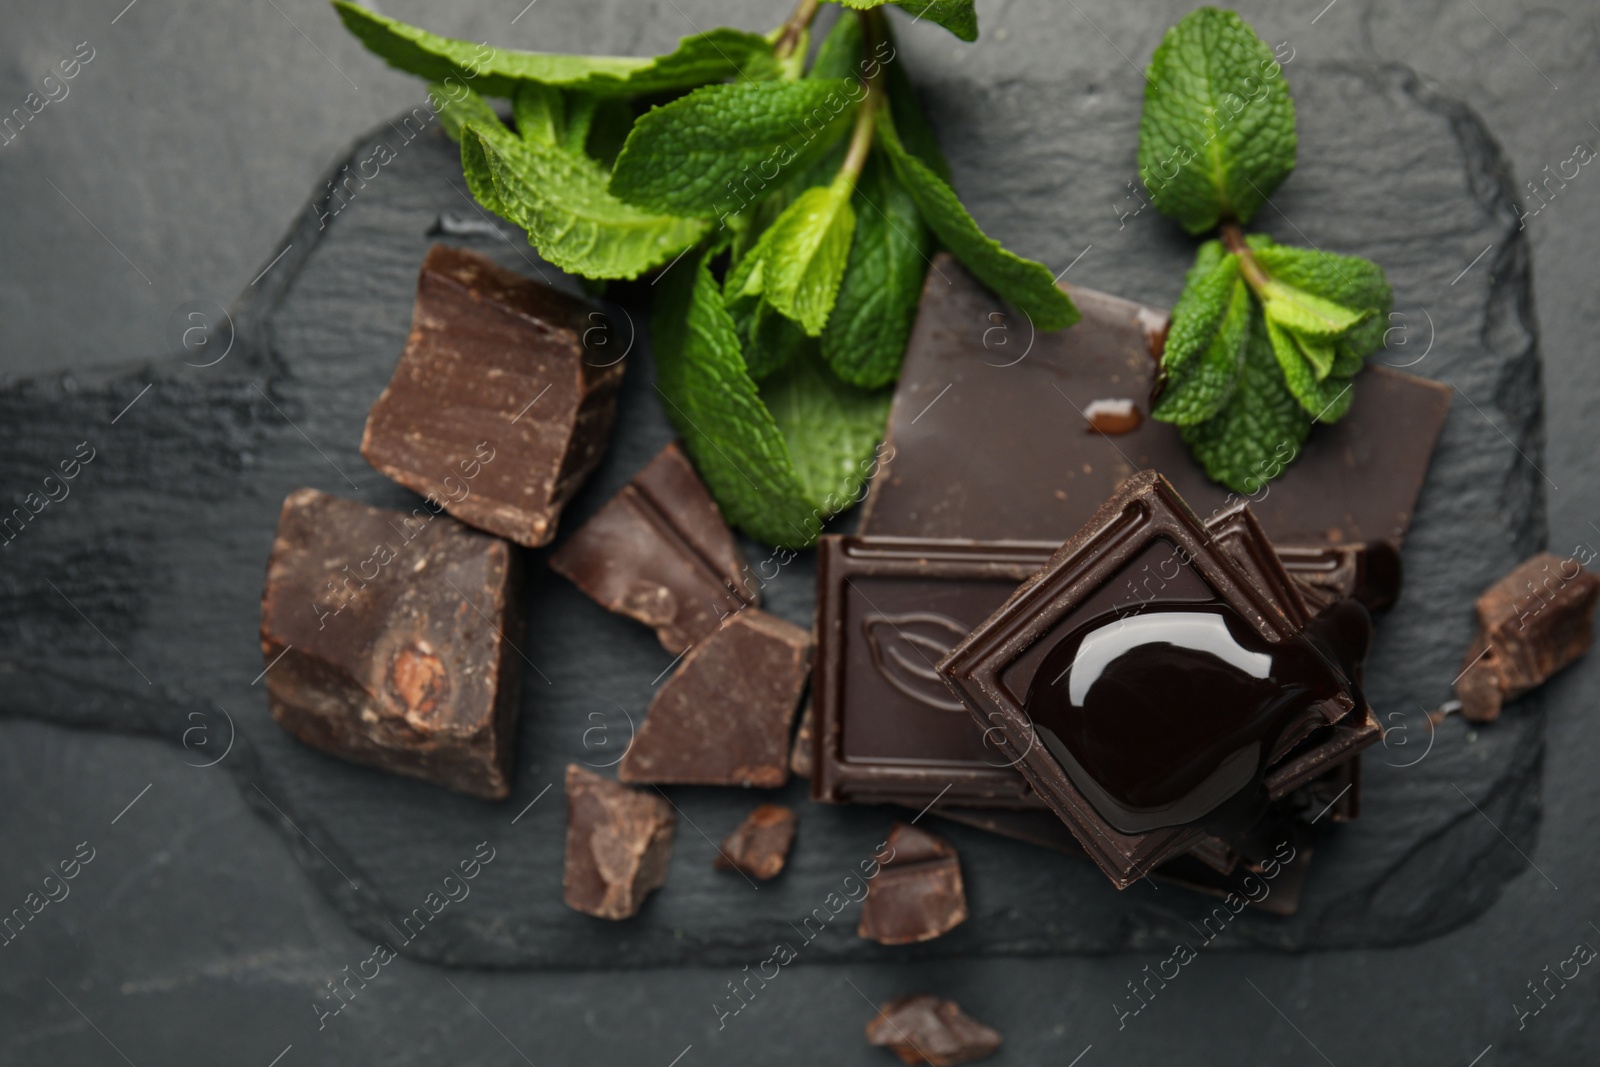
point(496, 409)
point(618, 843)
point(800, 762)
point(759, 846)
point(1152, 691)
point(390, 639)
point(931, 1030)
point(723, 717)
point(888, 610)
point(1531, 623)
point(918, 893)
point(1003, 454)
point(660, 552)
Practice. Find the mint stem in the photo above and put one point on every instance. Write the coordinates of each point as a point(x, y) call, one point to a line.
point(795, 27)
point(866, 119)
point(1233, 241)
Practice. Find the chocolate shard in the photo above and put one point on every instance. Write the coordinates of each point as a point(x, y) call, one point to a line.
point(390, 640)
point(759, 846)
point(1368, 573)
point(723, 717)
point(1146, 600)
point(932, 1030)
point(497, 408)
point(660, 552)
point(618, 843)
point(1531, 623)
point(918, 893)
point(1004, 454)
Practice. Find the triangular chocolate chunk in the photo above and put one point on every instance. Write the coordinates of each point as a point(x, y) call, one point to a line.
point(723, 717)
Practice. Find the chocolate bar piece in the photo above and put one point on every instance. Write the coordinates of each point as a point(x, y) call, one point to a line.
point(993, 449)
point(390, 639)
point(618, 843)
point(1531, 623)
point(660, 552)
point(800, 762)
point(918, 894)
point(723, 717)
point(1368, 573)
point(1152, 691)
point(931, 1030)
point(759, 846)
point(888, 609)
point(497, 409)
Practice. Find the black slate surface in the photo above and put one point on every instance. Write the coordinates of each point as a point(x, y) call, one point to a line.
point(153, 628)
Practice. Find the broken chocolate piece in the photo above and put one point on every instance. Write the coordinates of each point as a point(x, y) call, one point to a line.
point(723, 717)
point(496, 409)
point(759, 846)
point(931, 1030)
point(1003, 454)
point(918, 893)
point(1369, 573)
point(1080, 673)
point(1532, 623)
point(390, 639)
point(800, 752)
point(618, 843)
point(660, 552)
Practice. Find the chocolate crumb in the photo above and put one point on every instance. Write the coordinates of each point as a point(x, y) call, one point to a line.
point(928, 1029)
point(759, 846)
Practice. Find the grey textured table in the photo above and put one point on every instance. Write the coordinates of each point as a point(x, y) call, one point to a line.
point(168, 175)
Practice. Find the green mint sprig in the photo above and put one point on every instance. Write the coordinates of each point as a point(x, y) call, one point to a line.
point(1266, 339)
point(792, 211)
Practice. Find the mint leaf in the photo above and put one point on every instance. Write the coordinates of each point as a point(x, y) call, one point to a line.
point(1348, 280)
point(714, 150)
point(704, 57)
point(457, 107)
point(1217, 135)
point(770, 340)
point(580, 116)
point(1256, 436)
point(475, 168)
point(798, 261)
point(540, 112)
point(1027, 285)
point(831, 429)
point(957, 16)
point(865, 339)
point(1201, 306)
point(1306, 313)
point(1212, 321)
point(560, 198)
point(839, 54)
point(910, 123)
point(1324, 398)
point(729, 433)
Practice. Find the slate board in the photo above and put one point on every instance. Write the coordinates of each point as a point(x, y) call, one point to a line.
point(132, 605)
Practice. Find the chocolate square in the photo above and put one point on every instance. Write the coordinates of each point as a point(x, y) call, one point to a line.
point(497, 409)
point(1143, 544)
point(887, 727)
point(390, 639)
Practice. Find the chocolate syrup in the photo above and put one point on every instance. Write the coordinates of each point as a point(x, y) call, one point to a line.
point(1172, 714)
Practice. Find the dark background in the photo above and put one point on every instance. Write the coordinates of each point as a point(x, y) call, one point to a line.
point(169, 174)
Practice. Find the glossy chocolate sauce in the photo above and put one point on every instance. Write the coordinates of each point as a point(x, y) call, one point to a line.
point(1172, 714)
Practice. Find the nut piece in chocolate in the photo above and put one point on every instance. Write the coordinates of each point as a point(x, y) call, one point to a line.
point(390, 639)
point(660, 552)
point(723, 717)
point(759, 846)
point(1531, 623)
point(931, 1030)
point(918, 893)
point(1159, 680)
point(496, 409)
point(618, 843)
